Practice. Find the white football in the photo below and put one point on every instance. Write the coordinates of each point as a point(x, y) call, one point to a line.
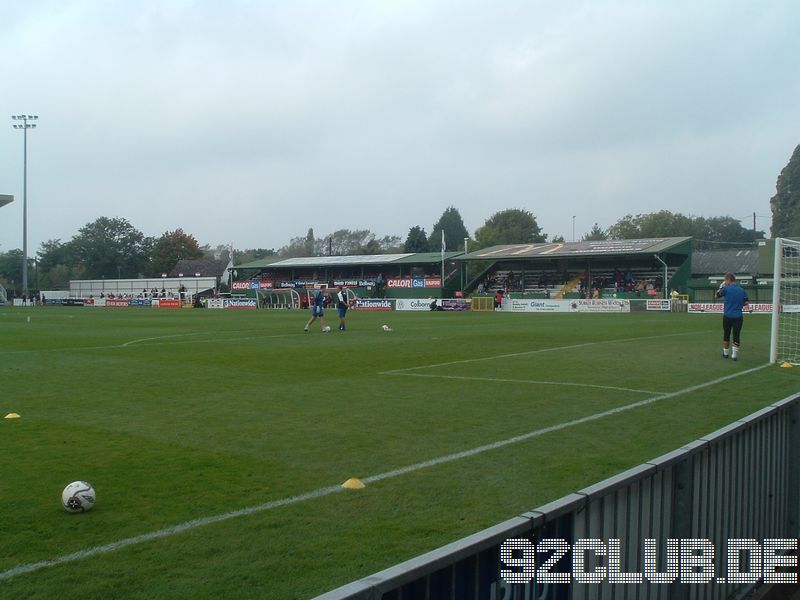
point(326, 329)
point(78, 497)
point(386, 328)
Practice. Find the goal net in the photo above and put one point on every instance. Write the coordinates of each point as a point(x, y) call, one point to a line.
point(785, 338)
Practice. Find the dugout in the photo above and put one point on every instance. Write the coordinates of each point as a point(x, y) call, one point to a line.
point(641, 268)
point(408, 275)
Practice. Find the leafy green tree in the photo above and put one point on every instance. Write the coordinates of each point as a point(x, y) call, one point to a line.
point(558, 239)
point(724, 229)
point(384, 245)
point(596, 234)
point(295, 248)
point(510, 226)
point(652, 225)
point(454, 231)
point(310, 245)
point(416, 241)
point(110, 248)
point(218, 252)
point(11, 267)
point(341, 242)
point(345, 242)
point(707, 232)
point(170, 248)
point(626, 228)
point(251, 254)
point(785, 203)
point(56, 278)
point(56, 262)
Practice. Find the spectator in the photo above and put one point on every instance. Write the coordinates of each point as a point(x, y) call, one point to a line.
point(498, 300)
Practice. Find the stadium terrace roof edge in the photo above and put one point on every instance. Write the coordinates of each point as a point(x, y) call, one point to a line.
point(647, 246)
point(355, 259)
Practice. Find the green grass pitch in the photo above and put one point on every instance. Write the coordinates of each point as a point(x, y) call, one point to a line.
point(183, 415)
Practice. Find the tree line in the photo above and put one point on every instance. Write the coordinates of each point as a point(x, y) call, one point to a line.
point(114, 248)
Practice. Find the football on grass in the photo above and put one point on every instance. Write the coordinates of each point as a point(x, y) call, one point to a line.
point(78, 497)
point(326, 329)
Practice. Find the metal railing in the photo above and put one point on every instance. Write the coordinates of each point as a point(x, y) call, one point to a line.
point(742, 481)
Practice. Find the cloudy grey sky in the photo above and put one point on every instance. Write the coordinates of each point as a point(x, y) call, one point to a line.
point(246, 122)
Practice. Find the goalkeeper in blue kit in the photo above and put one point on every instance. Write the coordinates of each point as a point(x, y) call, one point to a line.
point(735, 299)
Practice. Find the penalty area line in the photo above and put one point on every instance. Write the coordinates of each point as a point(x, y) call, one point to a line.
point(539, 432)
point(326, 491)
point(537, 351)
point(529, 381)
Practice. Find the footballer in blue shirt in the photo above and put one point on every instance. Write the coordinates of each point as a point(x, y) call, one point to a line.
point(735, 299)
point(318, 312)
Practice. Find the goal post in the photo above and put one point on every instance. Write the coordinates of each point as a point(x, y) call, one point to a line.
point(785, 329)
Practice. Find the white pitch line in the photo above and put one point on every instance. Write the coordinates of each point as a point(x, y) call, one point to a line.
point(531, 381)
point(167, 532)
point(326, 491)
point(552, 428)
point(538, 351)
point(133, 342)
point(160, 337)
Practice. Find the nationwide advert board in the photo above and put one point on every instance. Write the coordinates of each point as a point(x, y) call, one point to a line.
point(373, 304)
point(239, 303)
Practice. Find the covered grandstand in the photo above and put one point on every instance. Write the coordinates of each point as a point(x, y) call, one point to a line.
point(625, 268)
point(383, 275)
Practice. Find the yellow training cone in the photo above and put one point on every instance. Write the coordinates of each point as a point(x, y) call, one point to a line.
point(786, 365)
point(11, 416)
point(353, 484)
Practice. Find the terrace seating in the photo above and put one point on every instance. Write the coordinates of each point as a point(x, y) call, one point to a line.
point(557, 284)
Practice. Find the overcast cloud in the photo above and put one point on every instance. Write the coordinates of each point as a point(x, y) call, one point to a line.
point(249, 122)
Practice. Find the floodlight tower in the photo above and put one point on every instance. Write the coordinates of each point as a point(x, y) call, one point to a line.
point(24, 125)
